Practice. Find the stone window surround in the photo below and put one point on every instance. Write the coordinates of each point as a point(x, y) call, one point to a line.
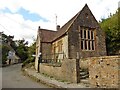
point(57, 45)
point(87, 36)
point(60, 43)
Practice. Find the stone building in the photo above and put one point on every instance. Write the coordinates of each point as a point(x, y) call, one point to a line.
point(80, 37)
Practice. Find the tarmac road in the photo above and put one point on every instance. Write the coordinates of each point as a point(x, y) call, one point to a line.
point(12, 77)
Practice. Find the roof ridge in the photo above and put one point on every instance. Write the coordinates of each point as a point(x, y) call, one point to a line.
point(64, 29)
point(73, 20)
point(47, 30)
point(66, 26)
point(76, 16)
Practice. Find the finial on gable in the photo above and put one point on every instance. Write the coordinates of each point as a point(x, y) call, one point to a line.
point(86, 5)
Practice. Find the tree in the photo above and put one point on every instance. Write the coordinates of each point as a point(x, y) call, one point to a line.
point(5, 50)
point(22, 49)
point(4, 47)
point(112, 30)
point(31, 52)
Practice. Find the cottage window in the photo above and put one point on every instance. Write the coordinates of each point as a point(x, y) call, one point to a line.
point(85, 44)
point(92, 45)
point(92, 35)
point(53, 48)
point(60, 46)
point(84, 33)
point(81, 33)
point(89, 42)
point(87, 39)
point(88, 34)
point(82, 44)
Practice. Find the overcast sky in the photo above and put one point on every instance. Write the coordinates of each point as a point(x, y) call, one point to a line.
point(21, 18)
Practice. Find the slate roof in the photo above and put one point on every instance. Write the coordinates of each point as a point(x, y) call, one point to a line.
point(51, 35)
point(65, 28)
point(47, 35)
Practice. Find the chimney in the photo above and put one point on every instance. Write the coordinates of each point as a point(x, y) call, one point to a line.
point(58, 27)
point(39, 28)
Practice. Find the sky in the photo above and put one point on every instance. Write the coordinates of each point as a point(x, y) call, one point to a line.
point(21, 18)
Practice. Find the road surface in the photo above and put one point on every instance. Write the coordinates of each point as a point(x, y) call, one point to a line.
point(12, 77)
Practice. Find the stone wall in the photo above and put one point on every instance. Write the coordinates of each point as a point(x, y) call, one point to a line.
point(73, 42)
point(67, 71)
point(91, 22)
point(64, 40)
point(38, 46)
point(105, 71)
point(74, 36)
point(46, 49)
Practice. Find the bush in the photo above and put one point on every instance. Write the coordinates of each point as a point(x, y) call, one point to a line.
point(28, 61)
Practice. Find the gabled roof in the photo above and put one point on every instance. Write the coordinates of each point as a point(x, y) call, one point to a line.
point(47, 35)
point(50, 35)
point(65, 27)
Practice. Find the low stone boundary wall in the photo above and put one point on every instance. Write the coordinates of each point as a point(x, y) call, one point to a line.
point(104, 72)
point(67, 71)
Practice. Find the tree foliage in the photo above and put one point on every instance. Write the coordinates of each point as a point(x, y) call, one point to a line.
point(5, 50)
point(20, 47)
point(31, 52)
point(112, 30)
point(5, 47)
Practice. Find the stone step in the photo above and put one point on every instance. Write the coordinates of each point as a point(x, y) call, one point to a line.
point(84, 76)
point(85, 82)
point(83, 73)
